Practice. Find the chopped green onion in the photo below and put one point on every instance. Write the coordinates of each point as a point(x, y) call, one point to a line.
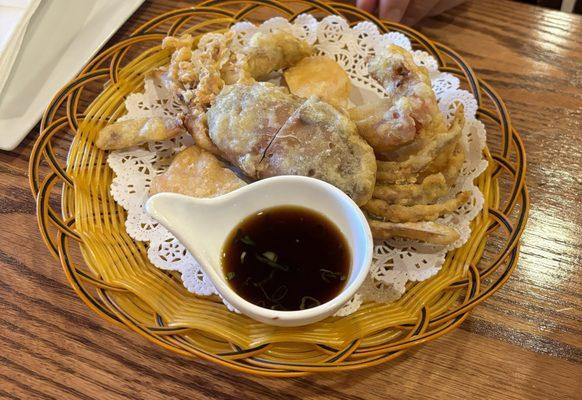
point(309, 302)
point(271, 256)
point(328, 275)
point(267, 279)
point(246, 239)
point(279, 294)
point(270, 263)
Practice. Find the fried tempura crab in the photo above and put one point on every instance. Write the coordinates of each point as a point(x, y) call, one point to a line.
point(395, 157)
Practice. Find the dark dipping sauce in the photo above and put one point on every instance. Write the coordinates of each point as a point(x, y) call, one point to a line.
point(286, 258)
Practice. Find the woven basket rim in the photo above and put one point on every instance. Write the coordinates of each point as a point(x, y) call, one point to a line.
point(100, 295)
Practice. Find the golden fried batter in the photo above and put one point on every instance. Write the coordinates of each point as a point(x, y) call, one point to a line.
point(427, 192)
point(195, 172)
point(319, 76)
point(420, 212)
point(429, 232)
point(202, 72)
point(449, 163)
point(410, 109)
point(134, 132)
point(196, 124)
point(195, 76)
point(180, 71)
point(397, 72)
point(408, 171)
point(244, 119)
point(453, 168)
point(268, 52)
point(321, 142)
point(266, 132)
point(386, 123)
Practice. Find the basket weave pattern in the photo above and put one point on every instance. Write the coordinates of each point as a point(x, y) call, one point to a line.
point(113, 276)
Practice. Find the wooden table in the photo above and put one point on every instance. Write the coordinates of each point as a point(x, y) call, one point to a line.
point(524, 342)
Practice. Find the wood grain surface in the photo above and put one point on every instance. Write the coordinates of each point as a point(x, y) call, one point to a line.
point(523, 343)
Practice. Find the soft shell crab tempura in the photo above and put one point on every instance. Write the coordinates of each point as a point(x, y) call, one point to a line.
point(409, 109)
point(395, 157)
point(267, 131)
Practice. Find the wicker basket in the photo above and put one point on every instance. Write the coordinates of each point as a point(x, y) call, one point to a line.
point(113, 276)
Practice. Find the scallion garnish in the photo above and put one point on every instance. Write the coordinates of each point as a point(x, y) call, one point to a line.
point(270, 263)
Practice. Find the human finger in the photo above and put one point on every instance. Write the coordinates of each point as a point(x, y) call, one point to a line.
point(417, 10)
point(367, 5)
point(393, 10)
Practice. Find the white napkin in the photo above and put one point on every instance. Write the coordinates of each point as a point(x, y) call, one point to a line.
point(14, 18)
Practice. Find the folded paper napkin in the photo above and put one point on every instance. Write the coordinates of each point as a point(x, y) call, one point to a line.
point(14, 18)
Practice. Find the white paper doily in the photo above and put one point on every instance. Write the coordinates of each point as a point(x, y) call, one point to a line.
point(395, 261)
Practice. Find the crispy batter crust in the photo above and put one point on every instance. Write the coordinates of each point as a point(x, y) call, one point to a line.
point(415, 213)
point(196, 172)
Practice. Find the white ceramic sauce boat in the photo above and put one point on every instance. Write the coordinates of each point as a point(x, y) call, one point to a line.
point(203, 225)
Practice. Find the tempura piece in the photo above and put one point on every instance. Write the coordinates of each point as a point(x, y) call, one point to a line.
point(180, 71)
point(269, 52)
point(428, 232)
point(397, 72)
point(453, 168)
point(266, 132)
point(321, 142)
point(319, 76)
point(410, 108)
point(427, 192)
point(197, 173)
point(195, 123)
point(408, 171)
point(420, 212)
point(426, 138)
point(449, 163)
point(386, 123)
point(244, 119)
point(133, 132)
point(195, 76)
